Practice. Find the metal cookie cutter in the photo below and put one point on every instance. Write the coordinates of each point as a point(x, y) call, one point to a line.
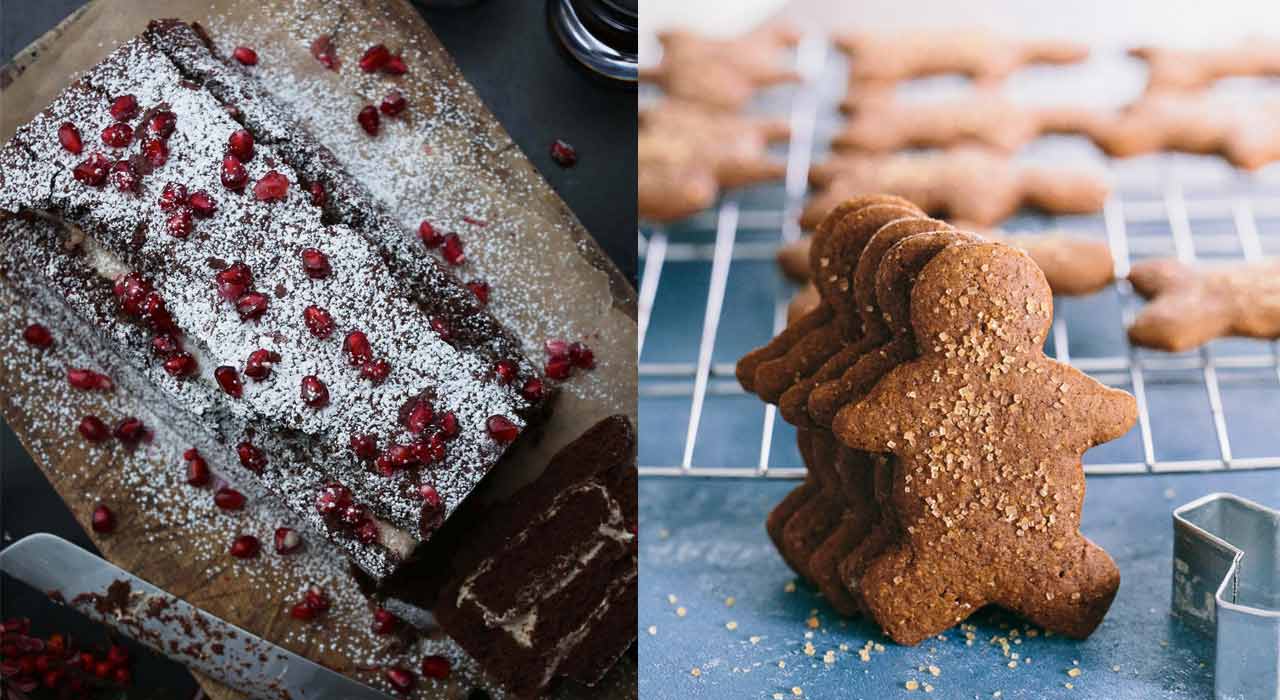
point(1226, 584)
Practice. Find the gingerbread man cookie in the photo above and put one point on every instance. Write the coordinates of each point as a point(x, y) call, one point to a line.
point(987, 433)
point(723, 73)
point(1246, 134)
point(1189, 307)
point(985, 57)
point(686, 153)
point(1170, 69)
point(966, 183)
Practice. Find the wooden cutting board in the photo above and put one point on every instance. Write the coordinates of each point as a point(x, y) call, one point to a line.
point(549, 279)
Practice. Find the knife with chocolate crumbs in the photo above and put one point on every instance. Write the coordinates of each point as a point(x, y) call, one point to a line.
point(171, 626)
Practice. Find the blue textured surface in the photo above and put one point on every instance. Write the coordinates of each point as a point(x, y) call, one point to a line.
point(703, 540)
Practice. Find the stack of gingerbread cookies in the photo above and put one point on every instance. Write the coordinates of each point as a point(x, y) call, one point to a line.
point(943, 448)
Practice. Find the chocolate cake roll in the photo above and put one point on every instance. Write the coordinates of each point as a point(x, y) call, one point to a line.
point(369, 394)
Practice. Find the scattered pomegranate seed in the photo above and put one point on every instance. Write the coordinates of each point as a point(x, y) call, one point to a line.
point(155, 151)
point(435, 667)
point(245, 55)
point(172, 196)
point(180, 364)
point(393, 104)
point(69, 137)
point(558, 368)
point(37, 335)
point(251, 457)
point(228, 498)
point(161, 124)
point(318, 195)
point(385, 622)
point(93, 429)
point(314, 393)
point(251, 305)
point(365, 446)
point(369, 120)
point(442, 329)
point(229, 379)
point(432, 513)
point(556, 347)
point(357, 347)
point(315, 264)
point(130, 431)
point(374, 57)
point(103, 520)
point(234, 176)
point(367, 532)
point(240, 145)
point(532, 390)
point(502, 429)
point(563, 154)
point(427, 233)
point(179, 223)
point(333, 497)
point(117, 135)
point(124, 108)
point(92, 171)
point(375, 371)
point(234, 281)
point(122, 676)
point(505, 371)
point(245, 547)
point(419, 416)
point(480, 288)
point(259, 365)
point(451, 248)
point(401, 680)
point(102, 669)
point(581, 356)
point(197, 470)
point(302, 611)
point(202, 204)
point(124, 177)
point(287, 540)
point(272, 187)
point(88, 379)
point(322, 50)
point(448, 423)
point(395, 66)
point(318, 321)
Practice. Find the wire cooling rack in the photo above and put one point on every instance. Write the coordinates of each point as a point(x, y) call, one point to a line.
point(1214, 408)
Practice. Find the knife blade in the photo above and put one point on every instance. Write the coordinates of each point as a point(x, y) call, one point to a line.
point(171, 626)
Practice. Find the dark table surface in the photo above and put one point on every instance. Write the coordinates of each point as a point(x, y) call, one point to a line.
point(504, 50)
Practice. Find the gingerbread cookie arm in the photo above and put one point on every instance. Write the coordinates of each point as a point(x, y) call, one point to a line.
point(1180, 321)
point(1073, 266)
point(747, 365)
point(1061, 191)
point(1053, 51)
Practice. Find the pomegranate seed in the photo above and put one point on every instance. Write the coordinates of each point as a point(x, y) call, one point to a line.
point(251, 305)
point(369, 120)
point(505, 371)
point(228, 498)
point(87, 379)
point(122, 676)
point(356, 345)
point(202, 204)
point(318, 321)
point(93, 429)
point(124, 108)
point(37, 335)
point(480, 288)
point(57, 644)
point(316, 599)
point(448, 423)
point(155, 151)
point(502, 429)
point(393, 104)
point(69, 137)
point(245, 55)
point(92, 171)
point(117, 135)
point(563, 154)
point(87, 662)
point(124, 177)
point(251, 457)
point(240, 145)
point(273, 187)
point(173, 195)
point(558, 368)
point(442, 329)
point(315, 264)
point(259, 365)
point(102, 669)
point(314, 393)
point(375, 371)
point(103, 520)
point(365, 446)
point(532, 390)
point(400, 679)
point(130, 430)
point(245, 547)
point(234, 281)
point(287, 540)
point(427, 233)
point(556, 347)
point(161, 124)
point(367, 532)
point(432, 513)
point(374, 57)
point(395, 66)
point(179, 223)
point(333, 497)
point(302, 611)
point(180, 364)
point(234, 176)
point(318, 195)
point(322, 50)
point(229, 379)
point(581, 356)
point(385, 622)
point(435, 667)
point(419, 417)
point(165, 345)
point(197, 471)
point(452, 250)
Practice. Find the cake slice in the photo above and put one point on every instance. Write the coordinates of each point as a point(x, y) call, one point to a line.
point(369, 395)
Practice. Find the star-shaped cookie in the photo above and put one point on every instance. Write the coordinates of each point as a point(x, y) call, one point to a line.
point(1190, 306)
point(723, 73)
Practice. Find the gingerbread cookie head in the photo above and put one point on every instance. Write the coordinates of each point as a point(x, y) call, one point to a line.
point(1189, 307)
point(988, 434)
